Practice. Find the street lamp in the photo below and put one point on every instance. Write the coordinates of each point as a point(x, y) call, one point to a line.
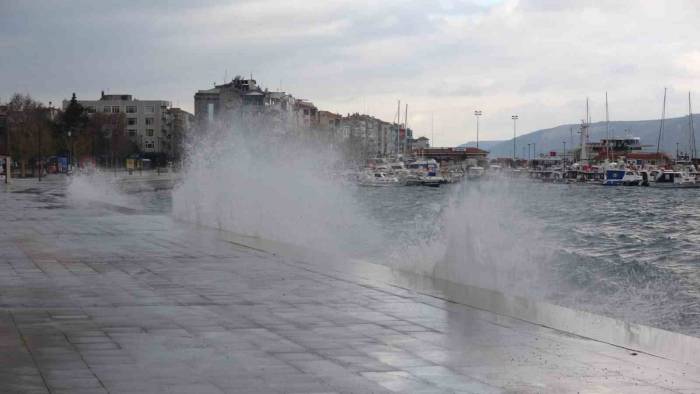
point(70, 150)
point(563, 157)
point(515, 118)
point(477, 113)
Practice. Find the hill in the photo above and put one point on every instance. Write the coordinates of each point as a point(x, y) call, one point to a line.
point(546, 140)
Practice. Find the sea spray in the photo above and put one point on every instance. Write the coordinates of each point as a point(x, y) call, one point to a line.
point(98, 186)
point(275, 186)
point(482, 238)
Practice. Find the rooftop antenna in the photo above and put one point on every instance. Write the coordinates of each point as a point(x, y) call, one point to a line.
point(661, 127)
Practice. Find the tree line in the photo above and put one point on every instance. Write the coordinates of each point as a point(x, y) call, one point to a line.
point(33, 133)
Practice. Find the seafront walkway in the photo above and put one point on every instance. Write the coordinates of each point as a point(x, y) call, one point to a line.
point(98, 298)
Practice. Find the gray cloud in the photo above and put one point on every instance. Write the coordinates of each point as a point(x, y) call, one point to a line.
point(537, 58)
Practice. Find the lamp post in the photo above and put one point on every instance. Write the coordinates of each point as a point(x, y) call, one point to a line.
point(528, 153)
point(515, 118)
point(534, 151)
point(563, 156)
point(477, 113)
point(70, 151)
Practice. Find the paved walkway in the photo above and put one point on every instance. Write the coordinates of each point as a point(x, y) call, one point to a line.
point(95, 299)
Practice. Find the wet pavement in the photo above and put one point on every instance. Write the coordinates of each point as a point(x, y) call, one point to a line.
point(96, 298)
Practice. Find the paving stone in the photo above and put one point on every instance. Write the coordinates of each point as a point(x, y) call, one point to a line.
point(95, 298)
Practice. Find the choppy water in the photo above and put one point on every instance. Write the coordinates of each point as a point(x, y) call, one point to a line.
point(627, 252)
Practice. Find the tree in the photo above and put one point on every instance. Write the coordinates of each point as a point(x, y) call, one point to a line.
point(29, 124)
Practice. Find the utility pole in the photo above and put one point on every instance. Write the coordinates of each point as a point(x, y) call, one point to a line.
point(514, 117)
point(477, 113)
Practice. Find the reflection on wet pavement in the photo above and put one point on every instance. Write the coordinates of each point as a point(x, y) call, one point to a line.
point(101, 300)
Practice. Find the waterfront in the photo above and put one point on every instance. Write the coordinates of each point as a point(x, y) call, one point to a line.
point(101, 297)
point(626, 252)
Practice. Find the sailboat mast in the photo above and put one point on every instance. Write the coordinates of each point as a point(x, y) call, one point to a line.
point(661, 127)
point(398, 127)
point(584, 135)
point(693, 148)
point(607, 128)
point(432, 128)
point(405, 127)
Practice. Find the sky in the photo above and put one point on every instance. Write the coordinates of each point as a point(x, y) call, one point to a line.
point(445, 59)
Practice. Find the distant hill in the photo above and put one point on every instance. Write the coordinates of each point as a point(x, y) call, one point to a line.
point(546, 140)
point(485, 145)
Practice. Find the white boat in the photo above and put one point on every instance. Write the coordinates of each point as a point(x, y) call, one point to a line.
point(475, 172)
point(373, 178)
point(675, 179)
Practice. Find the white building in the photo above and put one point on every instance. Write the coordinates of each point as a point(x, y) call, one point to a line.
point(146, 120)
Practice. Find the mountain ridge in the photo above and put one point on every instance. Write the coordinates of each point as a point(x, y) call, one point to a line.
point(551, 139)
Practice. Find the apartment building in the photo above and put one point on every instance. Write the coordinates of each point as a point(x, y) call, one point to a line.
point(146, 120)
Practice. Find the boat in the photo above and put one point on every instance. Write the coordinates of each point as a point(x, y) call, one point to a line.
point(374, 178)
point(675, 179)
point(622, 177)
point(475, 172)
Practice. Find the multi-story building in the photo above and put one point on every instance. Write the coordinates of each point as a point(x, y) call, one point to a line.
point(306, 115)
point(179, 124)
point(146, 120)
point(228, 103)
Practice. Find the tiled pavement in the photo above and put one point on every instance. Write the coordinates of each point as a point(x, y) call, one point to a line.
point(95, 300)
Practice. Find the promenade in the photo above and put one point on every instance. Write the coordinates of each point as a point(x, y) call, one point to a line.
point(99, 298)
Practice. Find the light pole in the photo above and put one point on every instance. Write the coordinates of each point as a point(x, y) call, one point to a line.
point(563, 156)
point(528, 152)
point(477, 113)
point(70, 151)
point(515, 118)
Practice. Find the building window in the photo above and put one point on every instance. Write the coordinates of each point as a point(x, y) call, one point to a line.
point(90, 109)
point(306, 112)
point(149, 132)
point(149, 109)
point(149, 121)
point(115, 109)
point(107, 109)
point(149, 145)
point(130, 109)
point(131, 121)
point(132, 133)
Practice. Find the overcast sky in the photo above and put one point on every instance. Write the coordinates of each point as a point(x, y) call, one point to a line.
point(537, 59)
